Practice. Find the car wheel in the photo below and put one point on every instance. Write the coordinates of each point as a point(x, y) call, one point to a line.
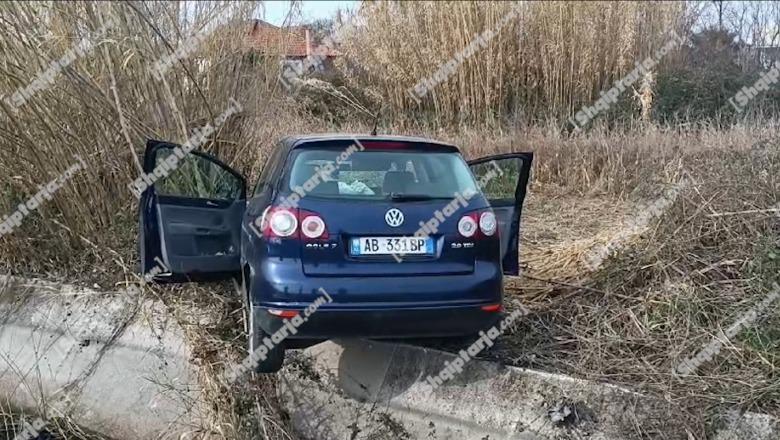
point(275, 357)
point(239, 283)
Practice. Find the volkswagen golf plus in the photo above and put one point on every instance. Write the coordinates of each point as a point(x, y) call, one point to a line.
point(353, 236)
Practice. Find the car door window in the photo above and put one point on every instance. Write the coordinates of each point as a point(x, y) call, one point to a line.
point(197, 177)
point(503, 180)
point(498, 178)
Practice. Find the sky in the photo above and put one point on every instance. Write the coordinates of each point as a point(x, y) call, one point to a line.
point(276, 11)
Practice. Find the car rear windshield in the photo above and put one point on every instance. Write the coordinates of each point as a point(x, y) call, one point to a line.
point(371, 174)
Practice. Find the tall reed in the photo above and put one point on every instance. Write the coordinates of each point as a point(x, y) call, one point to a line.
point(545, 63)
point(105, 104)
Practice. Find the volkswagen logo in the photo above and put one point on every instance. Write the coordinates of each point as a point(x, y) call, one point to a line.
point(394, 217)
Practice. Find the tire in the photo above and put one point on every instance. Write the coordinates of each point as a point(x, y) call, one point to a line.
point(255, 335)
point(275, 357)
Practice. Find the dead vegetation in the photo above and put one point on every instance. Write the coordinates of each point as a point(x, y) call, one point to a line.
point(103, 107)
point(694, 272)
point(213, 322)
point(14, 421)
point(549, 60)
point(663, 295)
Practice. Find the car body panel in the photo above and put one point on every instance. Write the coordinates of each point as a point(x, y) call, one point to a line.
point(278, 281)
point(386, 323)
point(436, 295)
point(193, 238)
point(508, 209)
point(332, 257)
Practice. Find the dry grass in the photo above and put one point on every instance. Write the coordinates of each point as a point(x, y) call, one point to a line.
point(56, 428)
point(672, 289)
point(212, 319)
point(550, 60)
point(559, 229)
point(655, 303)
point(103, 107)
point(106, 104)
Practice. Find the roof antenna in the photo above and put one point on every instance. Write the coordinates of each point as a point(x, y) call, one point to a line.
point(376, 120)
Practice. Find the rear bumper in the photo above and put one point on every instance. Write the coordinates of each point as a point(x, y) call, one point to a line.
point(383, 323)
point(393, 306)
point(281, 283)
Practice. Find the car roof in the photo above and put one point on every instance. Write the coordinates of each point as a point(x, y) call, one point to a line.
point(290, 142)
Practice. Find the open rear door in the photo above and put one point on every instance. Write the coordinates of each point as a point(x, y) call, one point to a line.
point(503, 179)
point(190, 215)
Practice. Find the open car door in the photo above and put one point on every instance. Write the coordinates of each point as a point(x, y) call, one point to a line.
point(503, 179)
point(190, 216)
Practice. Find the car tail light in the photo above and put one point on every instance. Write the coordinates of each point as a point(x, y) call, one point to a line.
point(492, 308)
point(282, 222)
point(293, 223)
point(283, 313)
point(467, 225)
point(312, 226)
point(487, 223)
point(478, 224)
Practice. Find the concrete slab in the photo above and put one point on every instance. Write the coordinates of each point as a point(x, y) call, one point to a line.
point(123, 374)
point(126, 368)
point(357, 389)
point(750, 426)
point(370, 390)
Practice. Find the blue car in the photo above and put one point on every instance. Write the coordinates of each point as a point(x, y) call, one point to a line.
point(341, 236)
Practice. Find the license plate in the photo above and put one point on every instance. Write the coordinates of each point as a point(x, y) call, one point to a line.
point(391, 245)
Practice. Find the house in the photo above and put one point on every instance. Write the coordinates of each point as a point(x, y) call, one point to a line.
point(294, 45)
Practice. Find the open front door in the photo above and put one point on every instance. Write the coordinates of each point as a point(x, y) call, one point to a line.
point(190, 215)
point(503, 179)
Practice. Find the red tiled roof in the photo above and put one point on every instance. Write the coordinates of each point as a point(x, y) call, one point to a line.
point(294, 41)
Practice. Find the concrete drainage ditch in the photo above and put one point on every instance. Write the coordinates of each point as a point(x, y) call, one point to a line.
point(125, 367)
